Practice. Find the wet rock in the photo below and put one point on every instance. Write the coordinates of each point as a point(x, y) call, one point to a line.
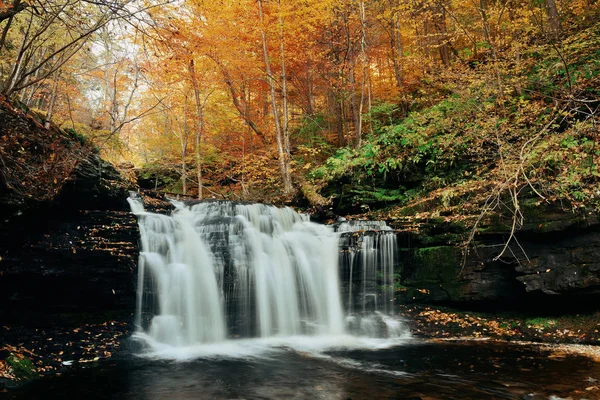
point(95, 184)
point(82, 260)
point(555, 261)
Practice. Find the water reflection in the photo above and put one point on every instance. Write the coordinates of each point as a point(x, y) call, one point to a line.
point(420, 370)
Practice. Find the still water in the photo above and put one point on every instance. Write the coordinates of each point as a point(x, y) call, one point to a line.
point(305, 368)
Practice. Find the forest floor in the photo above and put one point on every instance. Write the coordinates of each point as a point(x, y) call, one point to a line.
point(441, 322)
point(27, 352)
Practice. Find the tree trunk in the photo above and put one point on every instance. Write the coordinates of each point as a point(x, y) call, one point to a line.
point(50, 110)
point(284, 92)
point(442, 34)
point(5, 32)
point(183, 141)
point(11, 81)
point(283, 164)
point(396, 45)
point(183, 170)
point(335, 108)
point(114, 103)
point(309, 93)
point(483, 12)
point(553, 18)
point(364, 61)
point(354, 105)
point(199, 124)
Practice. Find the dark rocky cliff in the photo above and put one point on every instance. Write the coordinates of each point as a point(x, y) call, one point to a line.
point(67, 240)
point(555, 262)
point(75, 253)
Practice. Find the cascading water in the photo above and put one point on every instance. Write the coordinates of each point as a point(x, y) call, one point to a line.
point(216, 269)
point(180, 270)
point(367, 267)
point(255, 269)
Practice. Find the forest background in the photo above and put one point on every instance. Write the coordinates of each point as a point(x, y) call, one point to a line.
point(358, 105)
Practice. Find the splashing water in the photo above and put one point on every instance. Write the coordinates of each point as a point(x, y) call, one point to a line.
point(216, 269)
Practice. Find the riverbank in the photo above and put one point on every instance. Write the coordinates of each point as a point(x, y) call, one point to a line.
point(436, 322)
point(28, 352)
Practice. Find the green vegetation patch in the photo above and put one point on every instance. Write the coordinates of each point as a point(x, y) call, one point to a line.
point(21, 367)
point(540, 133)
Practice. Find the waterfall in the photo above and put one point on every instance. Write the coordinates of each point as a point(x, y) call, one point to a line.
point(217, 269)
point(214, 270)
point(178, 267)
point(367, 266)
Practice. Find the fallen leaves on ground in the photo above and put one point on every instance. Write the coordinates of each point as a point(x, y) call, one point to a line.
point(440, 322)
point(52, 350)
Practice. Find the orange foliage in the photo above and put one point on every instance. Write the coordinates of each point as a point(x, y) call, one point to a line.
point(203, 73)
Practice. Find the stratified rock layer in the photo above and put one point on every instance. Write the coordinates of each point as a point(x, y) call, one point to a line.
point(555, 260)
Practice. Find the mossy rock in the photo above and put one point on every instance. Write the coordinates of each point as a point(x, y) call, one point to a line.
point(434, 274)
point(437, 264)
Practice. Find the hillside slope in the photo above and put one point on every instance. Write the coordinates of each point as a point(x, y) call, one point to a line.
point(479, 147)
point(493, 184)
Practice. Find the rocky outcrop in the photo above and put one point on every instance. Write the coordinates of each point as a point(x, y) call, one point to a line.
point(555, 260)
point(82, 260)
point(67, 240)
point(77, 254)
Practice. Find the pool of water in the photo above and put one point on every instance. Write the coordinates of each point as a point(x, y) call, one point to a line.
point(308, 368)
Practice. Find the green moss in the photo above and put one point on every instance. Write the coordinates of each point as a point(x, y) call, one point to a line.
point(444, 238)
point(541, 322)
point(436, 273)
point(436, 264)
point(22, 368)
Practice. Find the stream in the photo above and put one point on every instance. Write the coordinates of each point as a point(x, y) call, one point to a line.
point(251, 301)
point(406, 369)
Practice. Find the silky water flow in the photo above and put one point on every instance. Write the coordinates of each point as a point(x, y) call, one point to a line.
point(218, 270)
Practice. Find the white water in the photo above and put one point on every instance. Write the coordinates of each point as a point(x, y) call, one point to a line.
point(216, 270)
point(179, 265)
point(374, 258)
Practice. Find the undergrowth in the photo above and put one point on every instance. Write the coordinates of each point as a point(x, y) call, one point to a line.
point(538, 134)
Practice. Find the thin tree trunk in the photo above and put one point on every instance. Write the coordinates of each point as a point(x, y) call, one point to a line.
point(553, 18)
point(199, 124)
point(364, 67)
point(396, 45)
point(183, 141)
point(488, 37)
point(309, 93)
point(354, 105)
point(29, 97)
point(284, 92)
point(13, 78)
point(183, 170)
point(442, 34)
point(335, 110)
point(283, 165)
point(5, 32)
point(52, 101)
point(341, 121)
point(114, 105)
